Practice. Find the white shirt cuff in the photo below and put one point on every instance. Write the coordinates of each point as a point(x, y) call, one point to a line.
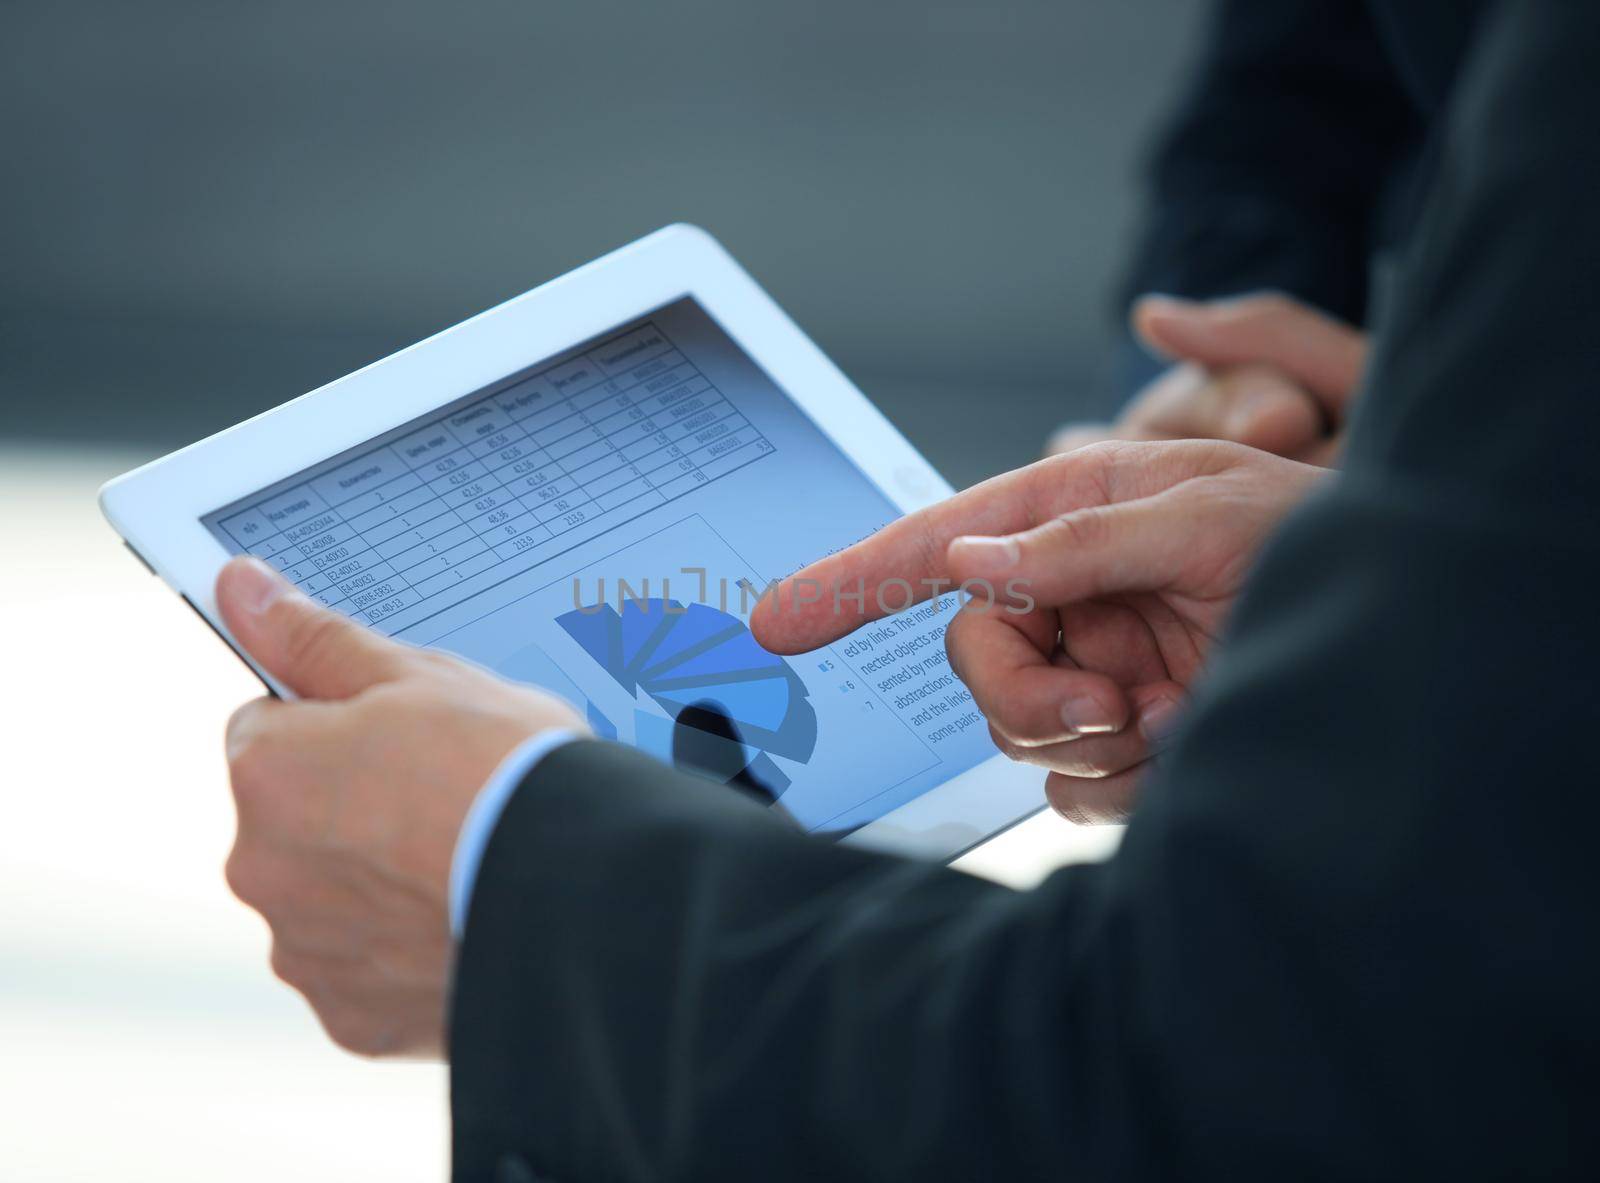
point(484, 815)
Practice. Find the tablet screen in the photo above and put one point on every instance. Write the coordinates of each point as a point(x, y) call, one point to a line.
point(600, 524)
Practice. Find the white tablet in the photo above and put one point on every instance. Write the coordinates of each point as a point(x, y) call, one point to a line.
point(586, 488)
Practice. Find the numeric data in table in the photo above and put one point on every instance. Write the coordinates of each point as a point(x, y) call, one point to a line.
point(424, 520)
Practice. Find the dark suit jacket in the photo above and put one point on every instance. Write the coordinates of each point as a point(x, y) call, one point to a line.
point(1296, 156)
point(1351, 932)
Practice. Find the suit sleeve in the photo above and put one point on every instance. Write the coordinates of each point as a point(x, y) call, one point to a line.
point(1350, 932)
point(1282, 168)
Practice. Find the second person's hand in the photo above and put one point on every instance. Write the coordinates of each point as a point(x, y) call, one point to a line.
point(1265, 370)
point(1102, 579)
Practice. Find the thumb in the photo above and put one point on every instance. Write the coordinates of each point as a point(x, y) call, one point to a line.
point(314, 651)
point(1098, 551)
point(1323, 354)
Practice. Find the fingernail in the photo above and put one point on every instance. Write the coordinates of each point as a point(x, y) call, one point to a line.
point(994, 554)
point(257, 586)
point(1157, 720)
point(1085, 716)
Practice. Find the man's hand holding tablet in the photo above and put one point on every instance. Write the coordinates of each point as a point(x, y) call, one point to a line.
point(350, 801)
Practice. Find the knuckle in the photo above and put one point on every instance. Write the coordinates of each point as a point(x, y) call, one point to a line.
point(1088, 767)
point(1081, 529)
point(931, 550)
point(1014, 717)
point(241, 724)
point(1001, 740)
point(1085, 806)
point(1061, 466)
point(1038, 753)
point(1102, 451)
point(546, 709)
point(432, 661)
point(353, 1030)
point(245, 759)
point(1059, 463)
point(346, 1023)
point(999, 713)
point(1073, 812)
point(243, 738)
point(287, 966)
point(242, 873)
point(1097, 758)
point(1066, 801)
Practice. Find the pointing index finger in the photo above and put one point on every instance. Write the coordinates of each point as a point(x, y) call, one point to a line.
point(904, 563)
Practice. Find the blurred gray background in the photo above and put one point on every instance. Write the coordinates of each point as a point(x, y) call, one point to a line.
point(211, 208)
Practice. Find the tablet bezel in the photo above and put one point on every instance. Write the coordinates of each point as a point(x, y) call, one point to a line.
point(158, 508)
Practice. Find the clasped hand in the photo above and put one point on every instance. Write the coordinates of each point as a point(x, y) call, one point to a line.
point(1263, 370)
